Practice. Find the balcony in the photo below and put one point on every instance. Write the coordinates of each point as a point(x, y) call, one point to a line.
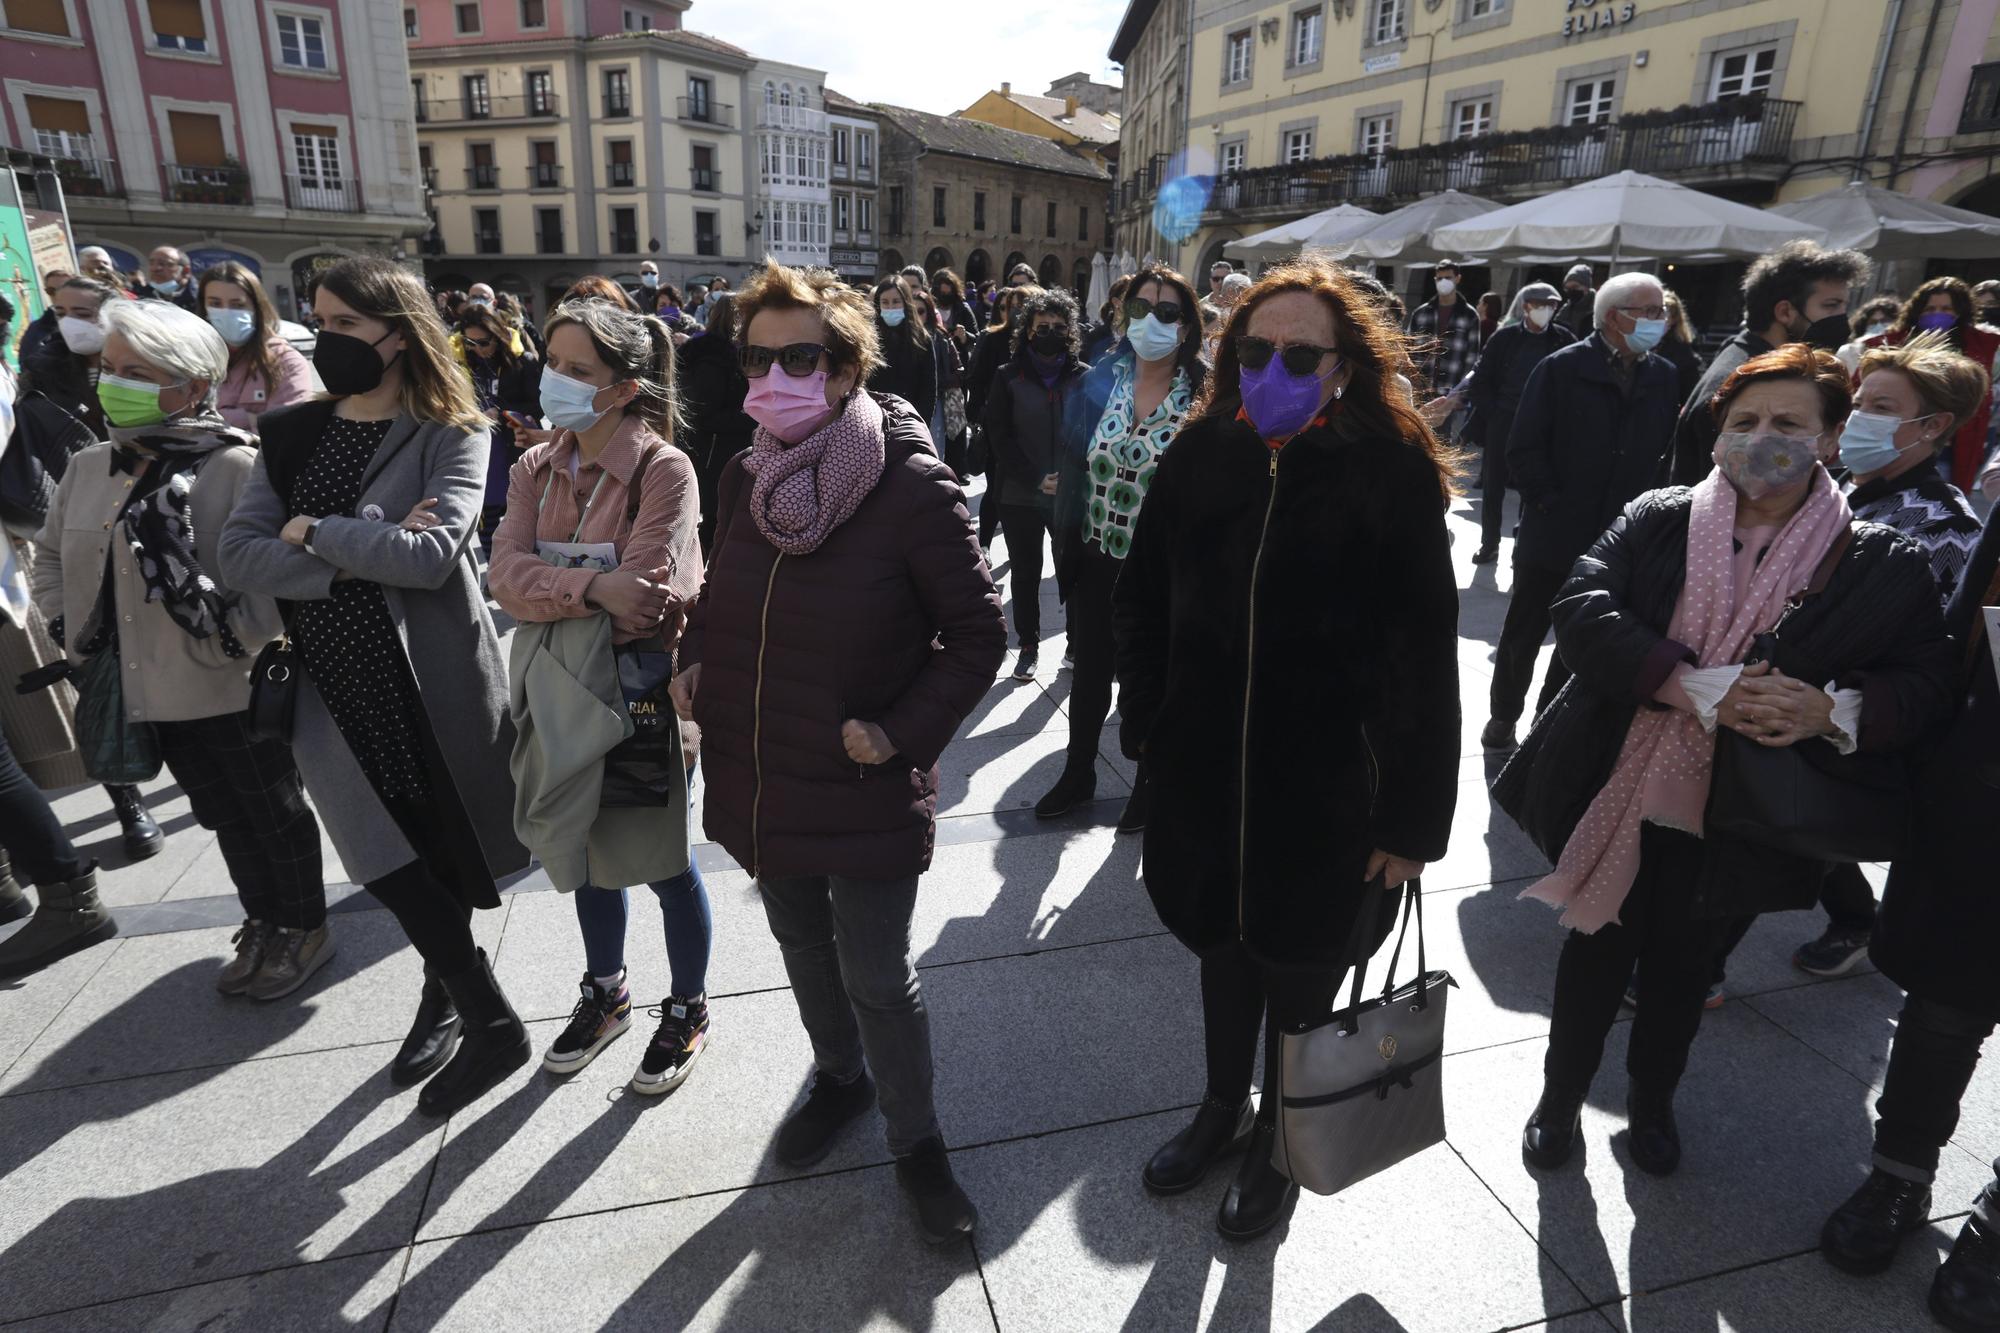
point(619, 175)
point(189, 184)
point(482, 176)
point(771, 116)
point(1982, 101)
point(89, 178)
point(704, 112)
point(545, 176)
point(624, 242)
point(320, 194)
point(617, 108)
point(549, 241)
point(486, 242)
point(706, 180)
point(468, 109)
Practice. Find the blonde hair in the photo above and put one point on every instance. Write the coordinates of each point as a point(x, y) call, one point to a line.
point(847, 316)
point(634, 347)
point(1945, 379)
point(436, 387)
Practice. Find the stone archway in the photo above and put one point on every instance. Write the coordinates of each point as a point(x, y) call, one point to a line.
point(938, 258)
point(1050, 274)
point(1013, 258)
point(978, 267)
point(892, 262)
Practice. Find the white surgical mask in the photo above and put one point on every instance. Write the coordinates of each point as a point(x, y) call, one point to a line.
point(649, 279)
point(892, 317)
point(82, 336)
point(1540, 315)
point(1446, 286)
point(235, 326)
point(569, 402)
point(1876, 330)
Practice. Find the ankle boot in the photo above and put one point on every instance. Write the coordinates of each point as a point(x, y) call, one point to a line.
point(70, 918)
point(14, 902)
point(1077, 784)
point(1261, 1196)
point(1965, 1294)
point(1551, 1134)
point(1655, 1139)
point(492, 1045)
point(1139, 804)
point(1863, 1234)
point(143, 837)
point(433, 1034)
point(1216, 1131)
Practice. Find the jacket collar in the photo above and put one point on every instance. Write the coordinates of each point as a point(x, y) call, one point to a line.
point(621, 455)
point(401, 432)
point(1915, 479)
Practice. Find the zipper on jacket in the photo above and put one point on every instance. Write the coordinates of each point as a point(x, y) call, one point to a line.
point(757, 723)
point(1249, 686)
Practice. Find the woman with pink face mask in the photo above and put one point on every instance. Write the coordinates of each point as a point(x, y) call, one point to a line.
point(847, 627)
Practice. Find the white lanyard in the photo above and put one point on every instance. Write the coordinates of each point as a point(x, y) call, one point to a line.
point(582, 518)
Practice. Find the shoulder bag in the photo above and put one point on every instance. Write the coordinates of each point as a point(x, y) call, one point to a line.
point(649, 767)
point(274, 691)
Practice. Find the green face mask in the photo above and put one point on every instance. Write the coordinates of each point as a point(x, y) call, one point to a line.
point(129, 402)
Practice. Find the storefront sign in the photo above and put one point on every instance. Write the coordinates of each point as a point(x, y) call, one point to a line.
point(866, 259)
point(1376, 64)
point(1588, 16)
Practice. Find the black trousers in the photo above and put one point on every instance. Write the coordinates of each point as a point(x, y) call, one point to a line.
point(438, 922)
point(1493, 469)
point(1237, 996)
point(1676, 953)
point(1092, 653)
point(247, 792)
point(30, 834)
point(1027, 534)
point(1930, 1063)
point(1521, 635)
point(1848, 900)
point(989, 515)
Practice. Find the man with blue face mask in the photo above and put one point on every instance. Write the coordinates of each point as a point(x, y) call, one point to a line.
point(169, 277)
point(1593, 429)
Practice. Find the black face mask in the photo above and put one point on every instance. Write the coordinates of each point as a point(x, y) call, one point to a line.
point(1829, 334)
point(1049, 343)
point(347, 365)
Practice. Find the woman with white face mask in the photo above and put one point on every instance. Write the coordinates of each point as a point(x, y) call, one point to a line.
point(1751, 603)
point(1528, 334)
point(265, 371)
point(66, 368)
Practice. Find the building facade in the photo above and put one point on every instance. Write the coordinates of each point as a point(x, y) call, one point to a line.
point(854, 140)
point(1106, 98)
point(978, 199)
point(1151, 45)
point(793, 146)
point(273, 133)
point(566, 137)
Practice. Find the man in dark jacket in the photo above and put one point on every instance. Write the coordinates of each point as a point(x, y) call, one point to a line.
point(1509, 357)
point(1796, 293)
point(1445, 331)
point(169, 277)
point(1591, 432)
point(43, 326)
point(1578, 313)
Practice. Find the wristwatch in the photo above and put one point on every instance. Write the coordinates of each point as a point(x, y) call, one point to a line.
point(311, 528)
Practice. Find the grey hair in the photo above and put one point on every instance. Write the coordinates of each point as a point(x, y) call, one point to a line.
point(1616, 291)
point(1236, 284)
point(636, 347)
point(171, 339)
point(83, 255)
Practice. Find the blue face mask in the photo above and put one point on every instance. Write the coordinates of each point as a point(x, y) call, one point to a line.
point(1153, 340)
point(168, 289)
point(1646, 334)
point(892, 317)
point(569, 403)
point(1868, 442)
point(235, 326)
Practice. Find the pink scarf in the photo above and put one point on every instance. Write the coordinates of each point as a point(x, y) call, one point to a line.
point(800, 493)
point(1663, 771)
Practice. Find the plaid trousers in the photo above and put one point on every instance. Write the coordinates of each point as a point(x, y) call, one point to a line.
point(248, 792)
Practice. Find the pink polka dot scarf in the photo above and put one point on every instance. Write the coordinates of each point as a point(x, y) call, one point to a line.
point(799, 493)
point(1663, 771)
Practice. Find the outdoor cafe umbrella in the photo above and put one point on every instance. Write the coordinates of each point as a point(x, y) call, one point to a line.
point(1624, 216)
point(1409, 234)
point(1888, 225)
point(1100, 283)
point(1316, 232)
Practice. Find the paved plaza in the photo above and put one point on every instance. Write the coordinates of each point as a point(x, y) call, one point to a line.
point(170, 1159)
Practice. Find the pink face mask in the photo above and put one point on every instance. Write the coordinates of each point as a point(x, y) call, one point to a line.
point(790, 407)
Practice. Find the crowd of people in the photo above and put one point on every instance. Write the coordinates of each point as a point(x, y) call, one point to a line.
point(729, 531)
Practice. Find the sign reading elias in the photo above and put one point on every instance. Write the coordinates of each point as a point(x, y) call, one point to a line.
point(1588, 16)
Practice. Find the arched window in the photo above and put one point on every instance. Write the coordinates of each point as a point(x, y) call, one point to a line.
point(770, 92)
point(785, 95)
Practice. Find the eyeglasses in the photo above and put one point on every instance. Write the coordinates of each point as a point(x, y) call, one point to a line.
point(479, 344)
point(1637, 312)
point(1167, 312)
point(1298, 358)
point(798, 359)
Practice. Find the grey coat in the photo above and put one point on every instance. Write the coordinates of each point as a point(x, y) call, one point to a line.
point(431, 582)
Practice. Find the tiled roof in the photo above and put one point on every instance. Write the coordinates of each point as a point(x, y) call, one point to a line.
point(842, 102)
point(1090, 126)
point(702, 39)
point(971, 138)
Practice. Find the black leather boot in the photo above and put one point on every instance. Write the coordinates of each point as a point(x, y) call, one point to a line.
point(1073, 788)
point(1965, 1294)
point(14, 902)
point(432, 1037)
point(142, 836)
point(1552, 1131)
point(492, 1045)
point(1655, 1138)
point(1183, 1160)
point(1863, 1234)
point(1261, 1196)
point(1139, 804)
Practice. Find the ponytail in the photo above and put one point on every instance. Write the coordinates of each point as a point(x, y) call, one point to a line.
point(658, 403)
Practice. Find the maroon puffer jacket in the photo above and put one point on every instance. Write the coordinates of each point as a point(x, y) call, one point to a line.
point(893, 620)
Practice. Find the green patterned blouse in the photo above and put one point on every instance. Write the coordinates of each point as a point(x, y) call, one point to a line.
point(1122, 457)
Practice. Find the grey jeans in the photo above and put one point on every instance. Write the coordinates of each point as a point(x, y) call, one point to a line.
point(846, 944)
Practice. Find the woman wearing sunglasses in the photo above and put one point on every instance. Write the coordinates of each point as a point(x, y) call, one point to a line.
point(1287, 649)
point(847, 627)
point(1129, 409)
point(506, 381)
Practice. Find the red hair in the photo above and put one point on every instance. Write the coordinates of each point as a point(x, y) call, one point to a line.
point(1793, 361)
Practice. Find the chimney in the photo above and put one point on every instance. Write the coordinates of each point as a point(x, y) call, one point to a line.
point(1006, 89)
point(1069, 106)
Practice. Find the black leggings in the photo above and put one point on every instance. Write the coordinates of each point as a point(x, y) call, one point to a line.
point(1237, 996)
point(1092, 649)
point(438, 923)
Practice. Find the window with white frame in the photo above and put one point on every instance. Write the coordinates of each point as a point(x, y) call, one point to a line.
point(864, 215)
point(1298, 145)
point(316, 157)
point(1481, 9)
point(840, 212)
point(301, 40)
point(39, 18)
point(1378, 135)
point(1389, 21)
point(864, 151)
point(64, 143)
point(177, 25)
point(1308, 30)
point(1236, 68)
point(411, 30)
point(1738, 73)
point(1231, 159)
point(840, 145)
point(1590, 101)
point(1473, 116)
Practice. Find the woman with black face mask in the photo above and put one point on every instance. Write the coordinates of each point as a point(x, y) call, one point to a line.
point(359, 517)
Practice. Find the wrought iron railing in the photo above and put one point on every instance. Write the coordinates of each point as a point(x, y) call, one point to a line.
point(704, 112)
point(89, 177)
point(186, 183)
point(473, 106)
point(320, 195)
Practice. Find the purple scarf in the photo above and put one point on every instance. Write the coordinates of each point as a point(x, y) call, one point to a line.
point(799, 493)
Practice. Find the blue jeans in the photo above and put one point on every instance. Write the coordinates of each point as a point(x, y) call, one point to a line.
point(684, 908)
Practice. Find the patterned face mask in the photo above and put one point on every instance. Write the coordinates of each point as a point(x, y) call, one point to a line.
point(1757, 463)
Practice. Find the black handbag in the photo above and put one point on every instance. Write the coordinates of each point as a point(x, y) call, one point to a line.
point(274, 691)
point(647, 768)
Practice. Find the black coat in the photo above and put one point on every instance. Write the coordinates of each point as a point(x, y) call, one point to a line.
point(1695, 432)
point(1687, 363)
point(1581, 448)
point(1941, 913)
point(993, 350)
point(1501, 375)
point(1024, 421)
point(36, 336)
point(1298, 708)
point(907, 371)
point(46, 436)
point(712, 389)
point(1875, 628)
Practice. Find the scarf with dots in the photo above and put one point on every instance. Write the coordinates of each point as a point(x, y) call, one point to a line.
point(1663, 771)
point(799, 493)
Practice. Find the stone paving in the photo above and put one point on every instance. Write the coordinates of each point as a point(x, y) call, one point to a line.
point(170, 1159)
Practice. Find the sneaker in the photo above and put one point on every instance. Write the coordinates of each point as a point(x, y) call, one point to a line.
point(290, 959)
point(1024, 666)
point(1068, 662)
point(1497, 734)
point(599, 1019)
point(682, 1036)
point(808, 1133)
point(1833, 953)
point(943, 1211)
point(250, 940)
point(1713, 1000)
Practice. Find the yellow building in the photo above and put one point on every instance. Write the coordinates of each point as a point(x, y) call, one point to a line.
point(1089, 133)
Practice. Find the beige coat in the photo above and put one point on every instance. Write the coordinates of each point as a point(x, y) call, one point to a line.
point(170, 676)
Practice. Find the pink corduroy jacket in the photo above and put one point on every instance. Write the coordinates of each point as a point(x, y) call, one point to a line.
point(244, 396)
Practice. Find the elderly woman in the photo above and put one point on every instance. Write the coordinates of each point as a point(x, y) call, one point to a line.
point(359, 516)
point(847, 627)
point(1528, 334)
point(1730, 605)
point(128, 560)
point(1944, 306)
point(265, 371)
point(1300, 724)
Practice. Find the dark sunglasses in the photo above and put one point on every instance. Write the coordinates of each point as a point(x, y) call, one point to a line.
point(1298, 358)
point(1138, 307)
point(799, 360)
point(479, 344)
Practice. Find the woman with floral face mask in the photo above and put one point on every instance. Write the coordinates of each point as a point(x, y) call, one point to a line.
point(1667, 623)
point(1944, 306)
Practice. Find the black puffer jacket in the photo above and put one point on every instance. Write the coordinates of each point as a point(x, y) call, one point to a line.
point(1875, 628)
point(1297, 708)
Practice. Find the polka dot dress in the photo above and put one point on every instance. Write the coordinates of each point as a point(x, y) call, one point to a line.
point(348, 641)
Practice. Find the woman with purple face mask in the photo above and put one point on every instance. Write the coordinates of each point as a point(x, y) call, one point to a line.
point(1945, 306)
point(1286, 623)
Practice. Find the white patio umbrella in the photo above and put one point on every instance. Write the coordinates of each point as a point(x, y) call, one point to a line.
point(1100, 283)
point(1624, 216)
point(1888, 225)
point(1318, 231)
point(1408, 234)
